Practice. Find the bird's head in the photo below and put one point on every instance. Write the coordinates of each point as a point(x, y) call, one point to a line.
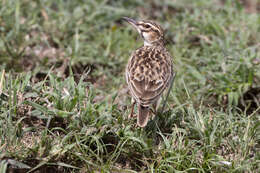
point(151, 32)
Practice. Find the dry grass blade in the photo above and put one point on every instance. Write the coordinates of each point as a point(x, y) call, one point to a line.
point(2, 81)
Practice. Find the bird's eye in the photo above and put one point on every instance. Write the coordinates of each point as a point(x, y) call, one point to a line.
point(147, 26)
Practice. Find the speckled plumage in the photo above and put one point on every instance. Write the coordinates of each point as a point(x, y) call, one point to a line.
point(149, 70)
point(148, 73)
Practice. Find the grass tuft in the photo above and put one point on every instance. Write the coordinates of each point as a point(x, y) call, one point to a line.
point(64, 104)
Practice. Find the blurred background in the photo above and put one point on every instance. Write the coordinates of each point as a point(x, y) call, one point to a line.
point(62, 76)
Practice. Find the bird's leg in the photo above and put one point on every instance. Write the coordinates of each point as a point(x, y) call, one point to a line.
point(132, 109)
point(153, 110)
point(168, 92)
point(155, 107)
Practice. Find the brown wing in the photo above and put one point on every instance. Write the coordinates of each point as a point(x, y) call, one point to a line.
point(148, 73)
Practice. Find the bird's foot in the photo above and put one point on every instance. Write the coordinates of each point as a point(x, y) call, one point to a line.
point(132, 116)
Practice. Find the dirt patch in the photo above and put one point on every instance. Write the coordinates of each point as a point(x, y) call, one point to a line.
point(250, 101)
point(251, 6)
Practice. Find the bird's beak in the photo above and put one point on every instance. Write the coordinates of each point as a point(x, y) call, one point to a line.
point(129, 20)
point(132, 22)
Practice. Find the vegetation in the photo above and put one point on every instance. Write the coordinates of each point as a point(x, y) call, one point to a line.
point(64, 103)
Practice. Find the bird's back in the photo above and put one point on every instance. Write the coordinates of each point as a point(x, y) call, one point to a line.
point(148, 73)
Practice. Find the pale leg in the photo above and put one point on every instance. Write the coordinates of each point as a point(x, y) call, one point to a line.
point(155, 107)
point(132, 109)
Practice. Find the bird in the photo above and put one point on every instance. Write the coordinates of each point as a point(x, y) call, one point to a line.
point(149, 71)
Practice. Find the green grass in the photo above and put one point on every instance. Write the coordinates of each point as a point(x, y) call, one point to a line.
point(63, 98)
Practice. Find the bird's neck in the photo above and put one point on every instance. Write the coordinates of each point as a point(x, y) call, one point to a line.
point(147, 43)
point(155, 43)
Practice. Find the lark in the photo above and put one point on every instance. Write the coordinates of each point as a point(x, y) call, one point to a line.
point(149, 71)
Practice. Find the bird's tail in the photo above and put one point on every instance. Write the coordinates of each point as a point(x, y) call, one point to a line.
point(143, 116)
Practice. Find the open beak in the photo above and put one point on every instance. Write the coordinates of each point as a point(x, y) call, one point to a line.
point(132, 22)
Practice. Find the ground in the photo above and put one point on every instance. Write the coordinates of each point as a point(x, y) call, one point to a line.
point(64, 102)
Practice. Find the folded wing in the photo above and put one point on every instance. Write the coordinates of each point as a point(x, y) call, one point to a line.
point(148, 74)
